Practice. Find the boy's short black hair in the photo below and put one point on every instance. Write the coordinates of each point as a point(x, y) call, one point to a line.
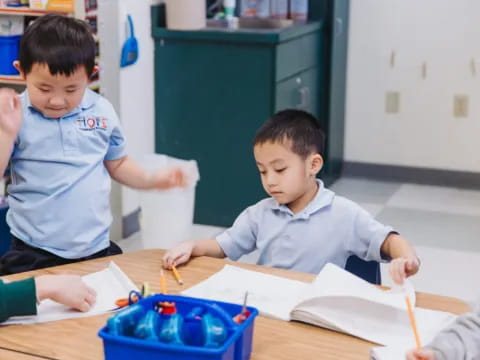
point(298, 126)
point(63, 43)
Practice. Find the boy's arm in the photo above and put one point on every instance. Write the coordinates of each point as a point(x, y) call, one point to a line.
point(6, 146)
point(461, 340)
point(10, 122)
point(208, 247)
point(405, 262)
point(184, 251)
point(17, 298)
point(234, 242)
point(127, 172)
point(69, 290)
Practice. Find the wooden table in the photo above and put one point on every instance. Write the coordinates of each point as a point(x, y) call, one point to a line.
point(273, 339)
point(15, 355)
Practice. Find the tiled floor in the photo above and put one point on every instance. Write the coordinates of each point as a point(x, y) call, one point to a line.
point(442, 223)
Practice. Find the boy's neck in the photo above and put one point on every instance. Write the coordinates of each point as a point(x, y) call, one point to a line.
point(302, 202)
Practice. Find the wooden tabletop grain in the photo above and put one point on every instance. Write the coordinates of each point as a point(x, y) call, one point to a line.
point(273, 339)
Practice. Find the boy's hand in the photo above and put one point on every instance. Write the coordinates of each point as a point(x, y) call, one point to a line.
point(422, 354)
point(10, 113)
point(178, 255)
point(167, 179)
point(69, 290)
point(401, 268)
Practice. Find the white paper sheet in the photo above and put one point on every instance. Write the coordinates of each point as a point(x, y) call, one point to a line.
point(273, 296)
point(388, 353)
point(110, 284)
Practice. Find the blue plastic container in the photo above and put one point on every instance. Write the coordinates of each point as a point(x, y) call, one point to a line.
point(237, 346)
point(9, 46)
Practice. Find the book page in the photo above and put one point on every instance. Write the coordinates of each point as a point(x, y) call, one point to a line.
point(340, 301)
point(388, 353)
point(273, 296)
point(110, 284)
point(378, 323)
point(338, 282)
point(429, 323)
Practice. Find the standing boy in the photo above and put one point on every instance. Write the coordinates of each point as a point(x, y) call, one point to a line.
point(63, 152)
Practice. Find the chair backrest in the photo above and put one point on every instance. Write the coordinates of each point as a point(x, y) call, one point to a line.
point(367, 270)
point(5, 237)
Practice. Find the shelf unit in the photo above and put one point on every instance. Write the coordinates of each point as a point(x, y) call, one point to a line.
point(25, 11)
point(79, 12)
point(11, 80)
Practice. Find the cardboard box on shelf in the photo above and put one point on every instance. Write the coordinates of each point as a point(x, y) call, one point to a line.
point(53, 5)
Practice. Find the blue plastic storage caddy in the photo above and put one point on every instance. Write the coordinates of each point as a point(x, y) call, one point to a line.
point(9, 46)
point(237, 346)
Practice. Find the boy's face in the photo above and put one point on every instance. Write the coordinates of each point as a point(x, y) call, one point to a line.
point(55, 95)
point(286, 176)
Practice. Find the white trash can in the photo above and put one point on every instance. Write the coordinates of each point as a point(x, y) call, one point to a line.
point(186, 14)
point(167, 215)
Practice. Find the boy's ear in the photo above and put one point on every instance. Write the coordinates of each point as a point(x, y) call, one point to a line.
point(316, 164)
point(95, 70)
point(16, 65)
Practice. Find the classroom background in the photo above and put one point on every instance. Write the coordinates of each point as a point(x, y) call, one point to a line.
point(396, 83)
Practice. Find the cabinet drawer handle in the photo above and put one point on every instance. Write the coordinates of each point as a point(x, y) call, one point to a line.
point(304, 97)
point(338, 26)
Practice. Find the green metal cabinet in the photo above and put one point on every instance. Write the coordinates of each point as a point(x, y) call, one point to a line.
point(335, 16)
point(214, 88)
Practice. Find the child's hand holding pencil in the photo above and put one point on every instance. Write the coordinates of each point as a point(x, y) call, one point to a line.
point(418, 353)
point(422, 354)
point(178, 255)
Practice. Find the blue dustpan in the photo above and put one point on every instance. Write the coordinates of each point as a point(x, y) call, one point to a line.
point(130, 47)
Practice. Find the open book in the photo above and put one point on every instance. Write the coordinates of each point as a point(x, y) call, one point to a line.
point(335, 299)
point(110, 285)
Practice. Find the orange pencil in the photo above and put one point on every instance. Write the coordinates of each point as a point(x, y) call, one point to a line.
point(177, 275)
point(413, 322)
point(163, 283)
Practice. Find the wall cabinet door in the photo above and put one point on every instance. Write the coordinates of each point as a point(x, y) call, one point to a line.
point(299, 92)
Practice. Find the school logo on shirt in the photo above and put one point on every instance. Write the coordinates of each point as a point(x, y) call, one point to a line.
point(89, 123)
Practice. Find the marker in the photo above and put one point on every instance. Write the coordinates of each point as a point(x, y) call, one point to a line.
point(240, 318)
point(244, 306)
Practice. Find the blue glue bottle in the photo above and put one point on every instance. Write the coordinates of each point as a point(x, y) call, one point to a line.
point(148, 326)
point(171, 328)
point(214, 331)
point(192, 327)
point(125, 321)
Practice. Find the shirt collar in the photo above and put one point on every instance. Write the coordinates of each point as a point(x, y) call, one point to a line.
point(89, 100)
point(322, 199)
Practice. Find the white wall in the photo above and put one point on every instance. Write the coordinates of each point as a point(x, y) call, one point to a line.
point(130, 89)
point(137, 93)
point(446, 35)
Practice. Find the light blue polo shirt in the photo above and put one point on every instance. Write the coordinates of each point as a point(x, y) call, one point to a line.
point(329, 229)
point(60, 191)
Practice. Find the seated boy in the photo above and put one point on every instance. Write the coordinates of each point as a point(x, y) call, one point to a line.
point(460, 341)
point(63, 152)
point(20, 297)
point(303, 225)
